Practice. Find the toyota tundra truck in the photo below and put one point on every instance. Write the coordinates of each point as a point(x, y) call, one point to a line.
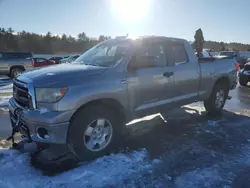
point(85, 105)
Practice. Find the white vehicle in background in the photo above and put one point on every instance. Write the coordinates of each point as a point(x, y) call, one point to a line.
point(69, 59)
point(205, 54)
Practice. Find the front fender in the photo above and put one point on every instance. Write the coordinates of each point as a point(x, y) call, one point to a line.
point(80, 95)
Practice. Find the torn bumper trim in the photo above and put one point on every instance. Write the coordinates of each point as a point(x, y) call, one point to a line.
point(56, 133)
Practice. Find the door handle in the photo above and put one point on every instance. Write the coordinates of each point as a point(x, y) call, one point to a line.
point(213, 74)
point(168, 74)
point(123, 81)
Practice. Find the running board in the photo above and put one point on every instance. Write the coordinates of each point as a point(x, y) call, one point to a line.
point(229, 97)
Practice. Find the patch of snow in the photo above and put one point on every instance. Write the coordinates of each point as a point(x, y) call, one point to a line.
point(199, 178)
point(218, 175)
point(109, 171)
point(167, 177)
point(211, 123)
point(6, 88)
point(4, 101)
point(209, 131)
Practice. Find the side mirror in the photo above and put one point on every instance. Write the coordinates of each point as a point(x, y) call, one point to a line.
point(142, 62)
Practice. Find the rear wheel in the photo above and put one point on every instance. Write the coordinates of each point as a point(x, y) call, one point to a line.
point(94, 131)
point(243, 81)
point(15, 72)
point(217, 99)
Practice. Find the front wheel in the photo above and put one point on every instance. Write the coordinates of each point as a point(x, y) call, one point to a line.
point(217, 99)
point(94, 131)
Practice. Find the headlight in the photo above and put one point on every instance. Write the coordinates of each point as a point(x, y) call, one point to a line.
point(49, 94)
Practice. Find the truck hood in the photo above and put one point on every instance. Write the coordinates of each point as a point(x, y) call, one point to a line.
point(51, 75)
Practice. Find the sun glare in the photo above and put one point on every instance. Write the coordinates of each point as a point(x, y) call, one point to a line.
point(130, 10)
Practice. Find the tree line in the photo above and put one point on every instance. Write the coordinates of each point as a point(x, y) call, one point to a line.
point(49, 43)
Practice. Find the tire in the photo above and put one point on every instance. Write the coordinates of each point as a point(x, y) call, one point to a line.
point(15, 72)
point(85, 123)
point(242, 81)
point(217, 99)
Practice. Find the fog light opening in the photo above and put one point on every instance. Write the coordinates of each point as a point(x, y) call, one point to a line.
point(42, 133)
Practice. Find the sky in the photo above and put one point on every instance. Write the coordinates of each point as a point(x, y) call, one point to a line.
point(220, 20)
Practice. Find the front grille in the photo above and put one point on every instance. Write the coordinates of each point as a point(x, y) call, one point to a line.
point(21, 94)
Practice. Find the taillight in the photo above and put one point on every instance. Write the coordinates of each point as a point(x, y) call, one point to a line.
point(237, 66)
point(33, 63)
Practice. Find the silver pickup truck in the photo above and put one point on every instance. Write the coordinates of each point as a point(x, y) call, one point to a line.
point(86, 104)
point(14, 63)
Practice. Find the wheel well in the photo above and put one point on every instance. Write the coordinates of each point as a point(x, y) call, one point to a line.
point(110, 103)
point(224, 81)
point(16, 66)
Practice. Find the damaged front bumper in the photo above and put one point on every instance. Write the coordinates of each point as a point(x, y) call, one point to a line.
point(37, 126)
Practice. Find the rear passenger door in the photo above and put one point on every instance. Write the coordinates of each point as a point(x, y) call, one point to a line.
point(186, 72)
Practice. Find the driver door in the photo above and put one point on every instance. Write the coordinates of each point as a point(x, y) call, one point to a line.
point(149, 87)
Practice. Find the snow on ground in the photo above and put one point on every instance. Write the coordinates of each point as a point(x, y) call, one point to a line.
point(217, 175)
point(5, 94)
point(4, 101)
point(119, 170)
point(207, 167)
point(6, 88)
point(109, 171)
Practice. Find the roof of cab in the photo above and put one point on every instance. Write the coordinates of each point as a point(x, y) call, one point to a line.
point(152, 37)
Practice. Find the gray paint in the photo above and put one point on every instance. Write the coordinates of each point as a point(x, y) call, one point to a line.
point(140, 92)
point(6, 65)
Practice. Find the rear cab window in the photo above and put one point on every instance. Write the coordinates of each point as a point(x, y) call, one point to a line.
point(11, 55)
point(16, 55)
point(25, 55)
point(176, 53)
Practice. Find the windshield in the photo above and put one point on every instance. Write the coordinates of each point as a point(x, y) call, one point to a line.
point(106, 54)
